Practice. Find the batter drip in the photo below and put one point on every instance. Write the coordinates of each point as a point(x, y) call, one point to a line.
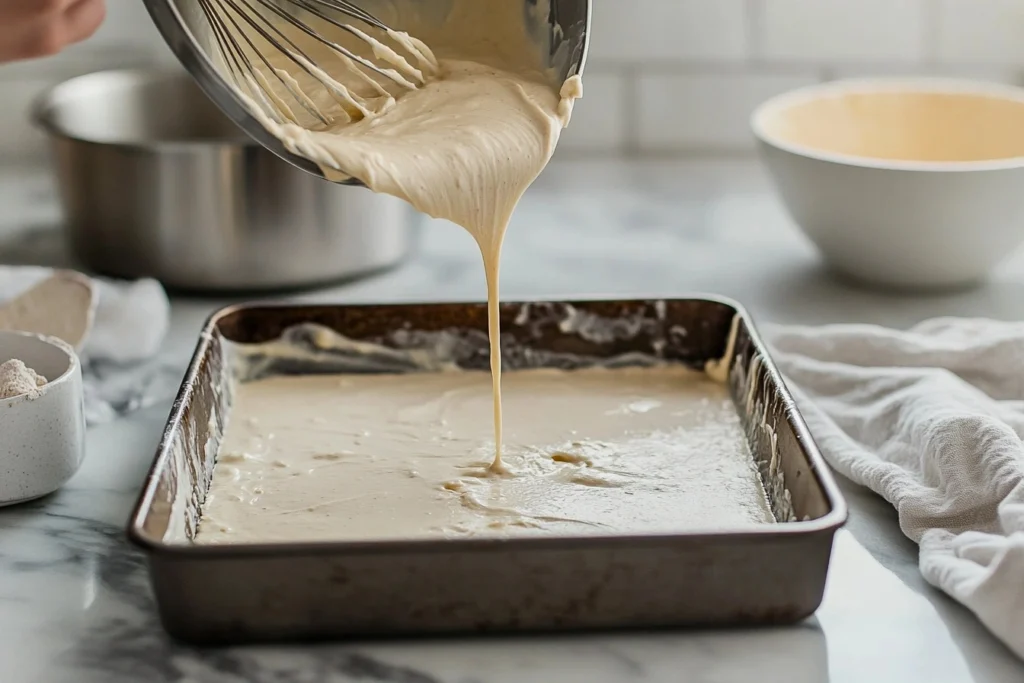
point(472, 126)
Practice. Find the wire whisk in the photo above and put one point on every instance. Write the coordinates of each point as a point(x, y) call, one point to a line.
point(239, 25)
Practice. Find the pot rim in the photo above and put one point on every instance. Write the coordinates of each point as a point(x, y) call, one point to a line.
point(49, 101)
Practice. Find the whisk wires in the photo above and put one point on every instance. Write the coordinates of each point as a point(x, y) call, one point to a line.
point(238, 25)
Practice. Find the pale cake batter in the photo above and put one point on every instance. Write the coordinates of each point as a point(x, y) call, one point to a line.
point(405, 456)
point(474, 121)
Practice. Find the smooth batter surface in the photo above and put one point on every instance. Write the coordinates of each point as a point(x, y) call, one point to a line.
point(387, 457)
point(473, 122)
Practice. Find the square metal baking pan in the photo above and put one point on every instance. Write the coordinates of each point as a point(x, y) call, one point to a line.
point(767, 575)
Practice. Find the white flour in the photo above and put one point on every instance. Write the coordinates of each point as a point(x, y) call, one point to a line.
point(17, 379)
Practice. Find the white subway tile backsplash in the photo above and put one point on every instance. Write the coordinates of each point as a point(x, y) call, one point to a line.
point(706, 112)
point(665, 75)
point(843, 30)
point(980, 31)
point(668, 30)
point(599, 119)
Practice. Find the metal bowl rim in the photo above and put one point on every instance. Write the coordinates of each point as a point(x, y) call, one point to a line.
point(169, 22)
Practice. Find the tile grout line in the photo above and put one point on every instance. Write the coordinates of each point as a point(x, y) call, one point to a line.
point(631, 111)
point(753, 11)
point(931, 31)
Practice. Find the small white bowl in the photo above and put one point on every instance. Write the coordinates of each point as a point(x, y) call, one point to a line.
point(42, 438)
point(912, 184)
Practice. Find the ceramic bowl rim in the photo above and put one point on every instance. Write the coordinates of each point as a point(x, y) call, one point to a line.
point(53, 342)
point(920, 85)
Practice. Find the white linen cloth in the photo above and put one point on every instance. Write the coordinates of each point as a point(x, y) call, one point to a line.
point(931, 419)
point(129, 325)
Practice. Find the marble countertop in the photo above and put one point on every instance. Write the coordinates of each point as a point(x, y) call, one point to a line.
point(75, 604)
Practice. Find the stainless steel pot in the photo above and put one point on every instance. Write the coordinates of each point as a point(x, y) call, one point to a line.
point(156, 182)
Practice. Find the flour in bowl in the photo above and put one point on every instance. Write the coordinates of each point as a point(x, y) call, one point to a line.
point(17, 379)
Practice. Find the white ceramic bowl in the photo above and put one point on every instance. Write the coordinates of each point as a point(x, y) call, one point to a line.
point(901, 183)
point(42, 439)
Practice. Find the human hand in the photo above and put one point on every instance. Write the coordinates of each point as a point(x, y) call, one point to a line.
point(36, 28)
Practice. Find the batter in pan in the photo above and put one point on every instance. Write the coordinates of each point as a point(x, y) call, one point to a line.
point(388, 457)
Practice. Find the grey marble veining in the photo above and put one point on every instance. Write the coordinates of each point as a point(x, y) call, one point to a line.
point(75, 605)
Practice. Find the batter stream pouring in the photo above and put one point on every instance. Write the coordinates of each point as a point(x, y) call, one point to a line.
point(462, 139)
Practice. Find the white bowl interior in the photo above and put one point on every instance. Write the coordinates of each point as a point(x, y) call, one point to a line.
point(906, 123)
point(48, 359)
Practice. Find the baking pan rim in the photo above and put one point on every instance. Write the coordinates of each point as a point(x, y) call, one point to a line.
point(834, 519)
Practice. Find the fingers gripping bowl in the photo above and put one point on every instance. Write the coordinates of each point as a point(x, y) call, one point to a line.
point(901, 183)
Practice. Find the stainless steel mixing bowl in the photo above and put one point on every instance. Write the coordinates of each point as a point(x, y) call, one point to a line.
point(188, 33)
point(155, 181)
